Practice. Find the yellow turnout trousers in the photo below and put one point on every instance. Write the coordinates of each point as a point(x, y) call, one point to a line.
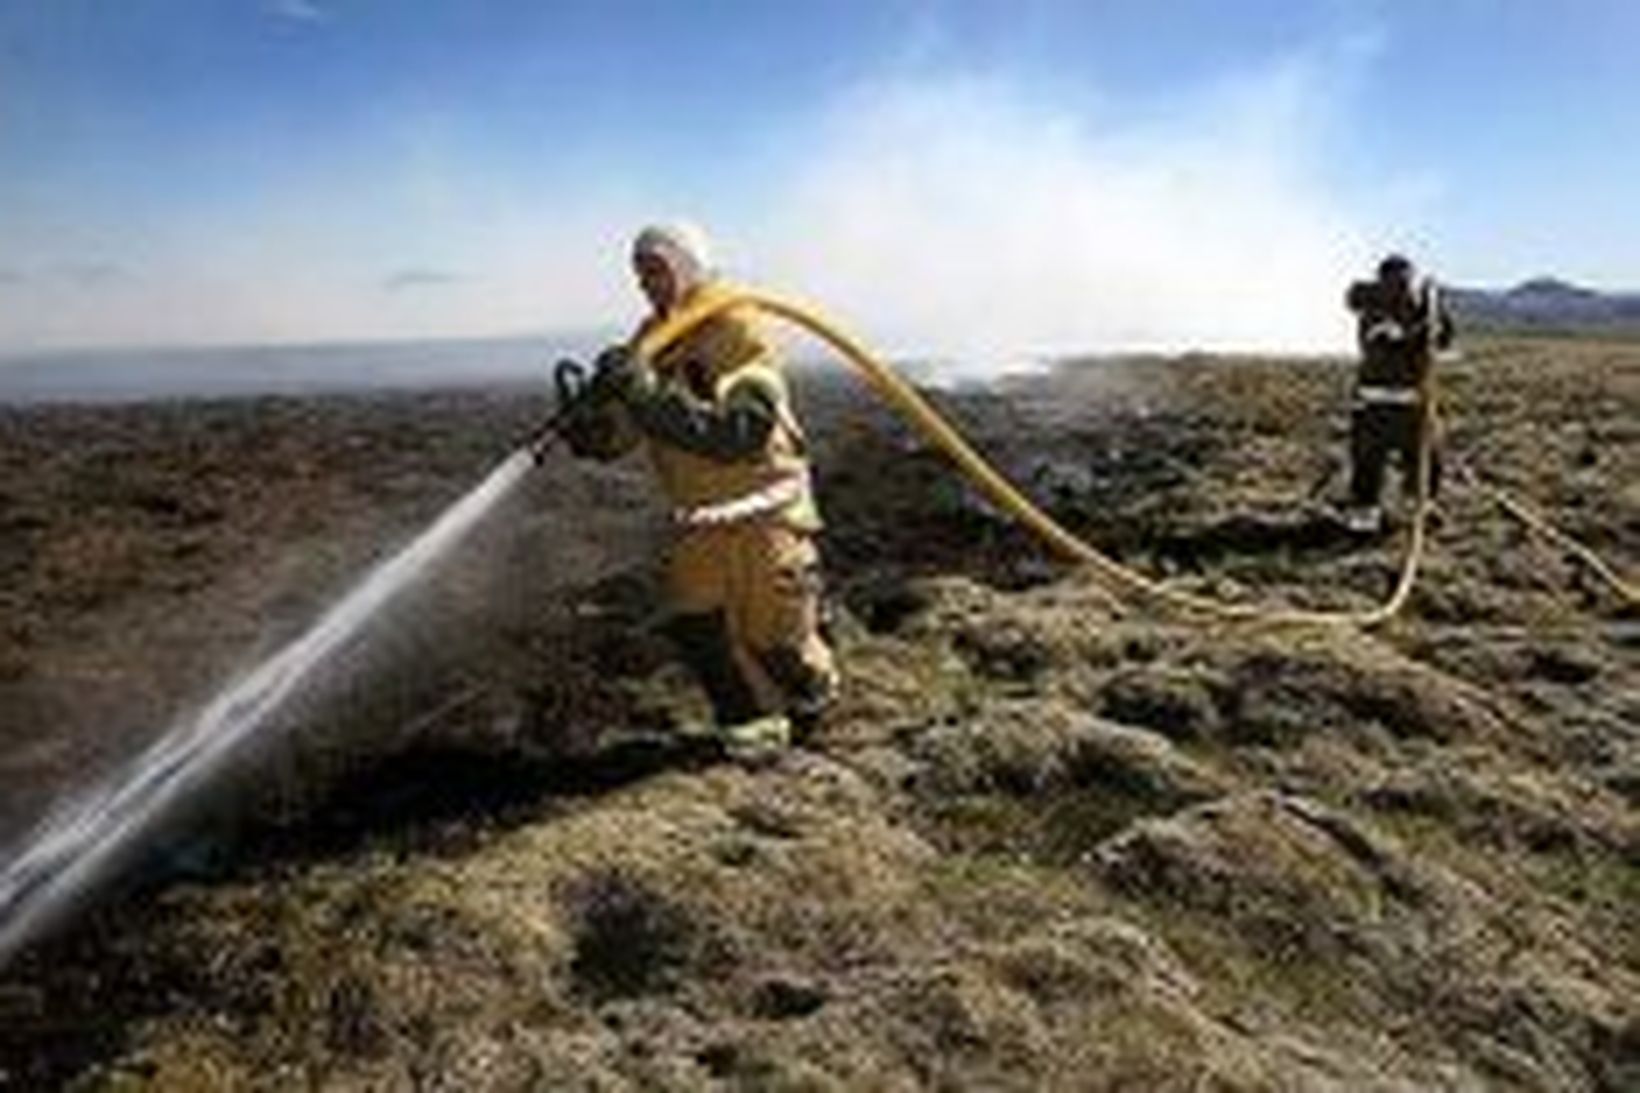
point(761, 578)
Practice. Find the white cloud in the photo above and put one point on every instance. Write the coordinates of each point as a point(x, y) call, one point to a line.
point(418, 277)
point(965, 219)
point(299, 11)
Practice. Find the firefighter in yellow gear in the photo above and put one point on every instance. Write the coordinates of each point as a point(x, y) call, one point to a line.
point(714, 412)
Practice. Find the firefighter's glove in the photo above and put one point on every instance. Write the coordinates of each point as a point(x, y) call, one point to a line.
point(621, 373)
point(584, 429)
point(585, 408)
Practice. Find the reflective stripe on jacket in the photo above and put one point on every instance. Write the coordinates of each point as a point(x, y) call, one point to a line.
point(1369, 394)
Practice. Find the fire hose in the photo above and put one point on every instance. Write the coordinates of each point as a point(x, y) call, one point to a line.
point(1119, 580)
point(1534, 521)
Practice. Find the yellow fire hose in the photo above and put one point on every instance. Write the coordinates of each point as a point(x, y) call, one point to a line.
point(911, 405)
point(1626, 590)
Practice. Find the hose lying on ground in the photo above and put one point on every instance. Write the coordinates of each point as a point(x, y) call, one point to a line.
point(1627, 591)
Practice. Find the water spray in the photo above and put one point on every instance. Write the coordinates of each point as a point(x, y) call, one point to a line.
point(78, 846)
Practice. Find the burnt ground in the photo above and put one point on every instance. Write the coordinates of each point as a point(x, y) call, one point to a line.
point(1042, 843)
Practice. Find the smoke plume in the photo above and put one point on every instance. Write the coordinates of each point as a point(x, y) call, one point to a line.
point(965, 221)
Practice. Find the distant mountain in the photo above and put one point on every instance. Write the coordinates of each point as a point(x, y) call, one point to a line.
point(1546, 303)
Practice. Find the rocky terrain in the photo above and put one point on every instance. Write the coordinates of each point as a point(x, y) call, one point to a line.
point(1044, 842)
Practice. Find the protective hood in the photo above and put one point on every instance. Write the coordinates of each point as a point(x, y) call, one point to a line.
point(684, 248)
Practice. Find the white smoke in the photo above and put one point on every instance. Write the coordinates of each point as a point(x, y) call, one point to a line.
point(964, 220)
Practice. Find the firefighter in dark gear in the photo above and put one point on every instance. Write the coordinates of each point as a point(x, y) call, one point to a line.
point(1399, 326)
point(715, 414)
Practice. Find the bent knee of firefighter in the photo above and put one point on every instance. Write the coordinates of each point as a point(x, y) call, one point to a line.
point(780, 599)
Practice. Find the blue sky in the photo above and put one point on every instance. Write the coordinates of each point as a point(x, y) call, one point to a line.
point(1182, 171)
